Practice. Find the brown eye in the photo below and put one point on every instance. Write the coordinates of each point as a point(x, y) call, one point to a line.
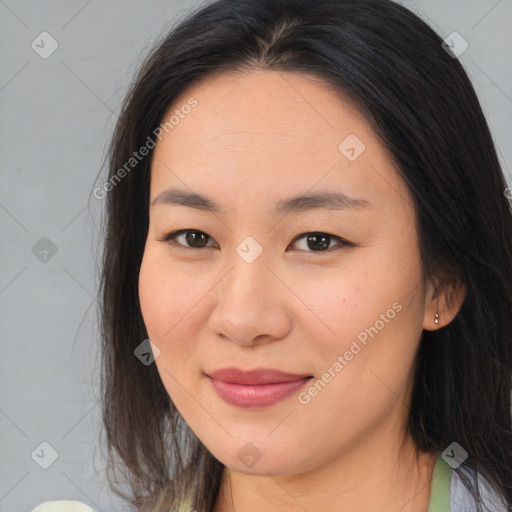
point(320, 242)
point(189, 238)
point(196, 237)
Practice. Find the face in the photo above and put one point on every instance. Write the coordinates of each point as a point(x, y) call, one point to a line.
point(329, 290)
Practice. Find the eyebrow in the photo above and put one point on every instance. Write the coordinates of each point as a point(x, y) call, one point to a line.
point(320, 200)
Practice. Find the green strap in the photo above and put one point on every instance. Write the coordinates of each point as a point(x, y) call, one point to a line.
point(440, 487)
point(186, 506)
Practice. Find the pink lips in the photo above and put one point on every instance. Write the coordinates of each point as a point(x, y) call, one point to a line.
point(255, 388)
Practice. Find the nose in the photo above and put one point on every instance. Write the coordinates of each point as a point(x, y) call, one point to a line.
point(252, 305)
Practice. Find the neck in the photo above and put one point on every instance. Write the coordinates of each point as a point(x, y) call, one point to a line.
point(385, 478)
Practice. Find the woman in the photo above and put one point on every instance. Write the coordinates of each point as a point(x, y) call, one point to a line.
point(307, 218)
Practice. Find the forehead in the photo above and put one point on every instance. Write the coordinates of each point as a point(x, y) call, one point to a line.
point(268, 133)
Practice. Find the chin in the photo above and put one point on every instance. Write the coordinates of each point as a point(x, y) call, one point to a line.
point(263, 461)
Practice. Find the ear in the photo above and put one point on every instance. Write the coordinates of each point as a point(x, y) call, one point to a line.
point(445, 299)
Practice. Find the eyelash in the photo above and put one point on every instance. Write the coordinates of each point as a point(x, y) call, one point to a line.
point(171, 239)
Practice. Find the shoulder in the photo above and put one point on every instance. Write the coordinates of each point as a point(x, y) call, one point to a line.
point(462, 499)
point(62, 506)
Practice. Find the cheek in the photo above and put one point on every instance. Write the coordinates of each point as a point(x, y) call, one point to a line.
point(168, 315)
point(341, 306)
point(169, 305)
point(168, 298)
point(372, 316)
point(155, 293)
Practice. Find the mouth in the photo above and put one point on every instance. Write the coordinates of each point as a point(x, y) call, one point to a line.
point(255, 388)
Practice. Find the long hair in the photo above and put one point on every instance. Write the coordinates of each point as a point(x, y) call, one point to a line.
point(422, 106)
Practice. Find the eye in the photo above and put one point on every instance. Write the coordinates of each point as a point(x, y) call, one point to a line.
point(320, 242)
point(196, 239)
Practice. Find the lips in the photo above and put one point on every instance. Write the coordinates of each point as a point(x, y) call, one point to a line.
point(255, 388)
point(255, 377)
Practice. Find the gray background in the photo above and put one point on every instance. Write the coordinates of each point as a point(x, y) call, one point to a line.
point(56, 118)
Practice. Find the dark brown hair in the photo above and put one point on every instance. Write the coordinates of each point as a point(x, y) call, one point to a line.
point(421, 104)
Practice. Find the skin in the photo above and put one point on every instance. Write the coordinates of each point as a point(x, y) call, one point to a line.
point(253, 139)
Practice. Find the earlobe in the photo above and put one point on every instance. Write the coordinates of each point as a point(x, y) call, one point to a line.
point(432, 321)
point(440, 311)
